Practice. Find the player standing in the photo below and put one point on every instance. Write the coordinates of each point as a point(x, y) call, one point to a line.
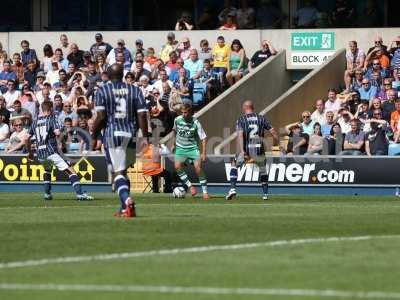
point(251, 129)
point(45, 130)
point(187, 136)
point(119, 108)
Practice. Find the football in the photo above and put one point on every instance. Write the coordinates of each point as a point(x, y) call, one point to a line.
point(179, 192)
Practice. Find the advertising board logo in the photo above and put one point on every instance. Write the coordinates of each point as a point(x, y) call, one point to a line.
point(292, 173)
point(85, 170)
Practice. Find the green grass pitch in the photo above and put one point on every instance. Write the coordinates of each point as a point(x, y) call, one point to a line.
point(307, 262)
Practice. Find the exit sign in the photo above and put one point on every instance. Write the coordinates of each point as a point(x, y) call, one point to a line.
point(306, 41)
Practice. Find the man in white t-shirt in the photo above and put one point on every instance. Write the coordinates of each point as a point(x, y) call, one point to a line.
point(355, 59)
point(11, 95)
point(45, 93)
point(318, 116)
point(332, 104)
point(4, 130)
point(163, 78)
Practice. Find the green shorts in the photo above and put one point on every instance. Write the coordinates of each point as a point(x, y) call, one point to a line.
point(187, 155)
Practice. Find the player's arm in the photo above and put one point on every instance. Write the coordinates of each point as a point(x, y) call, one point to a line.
point(203, 138)
point(100, 118)
point(28, 145)
point(173, 139)
point(142, 114)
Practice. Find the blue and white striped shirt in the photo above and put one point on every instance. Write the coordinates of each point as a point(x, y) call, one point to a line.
point(43, 131)
point(253, 127)
point(121, 102)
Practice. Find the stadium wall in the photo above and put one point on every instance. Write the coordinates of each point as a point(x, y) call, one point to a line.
point(288, 107)
point(251, 39)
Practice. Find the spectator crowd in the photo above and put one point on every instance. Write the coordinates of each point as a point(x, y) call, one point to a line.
point(363, 119)
point(69, 76)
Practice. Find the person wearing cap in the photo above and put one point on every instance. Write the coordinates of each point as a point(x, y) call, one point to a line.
point(52, 75)
point(139, 48)
point(76, 56)
point(6, 75)
point(40, 77)
point(111, 57)
point(100, 47)
point(298, 140)
point(169, 47)
point(184, 48)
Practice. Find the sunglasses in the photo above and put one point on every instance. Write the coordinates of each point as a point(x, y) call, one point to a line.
point(18, 125)
point(306, 117)
point(378, 64)
point(365, 83)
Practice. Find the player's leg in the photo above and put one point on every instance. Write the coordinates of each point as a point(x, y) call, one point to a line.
point(180, 159)
point(47, 179)
point(233, 175)
point(64, 166)
point(202, 178)
point(121, 157)
point(264, 179)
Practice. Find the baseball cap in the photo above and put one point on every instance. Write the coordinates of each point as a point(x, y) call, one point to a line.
point(171, 35)
point(139, 41)
point(121, 41)
point(185, 39)
point(98, 35)
point(41, 74)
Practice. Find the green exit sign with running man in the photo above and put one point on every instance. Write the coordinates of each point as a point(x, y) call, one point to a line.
point(311, 41)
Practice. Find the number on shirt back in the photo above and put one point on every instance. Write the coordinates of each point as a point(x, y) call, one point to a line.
point(120, 110)
point(41, 133)
point(253, 131)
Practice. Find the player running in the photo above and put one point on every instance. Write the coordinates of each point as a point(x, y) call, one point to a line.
point(251, 129)
point(45, 130)
point(119, 108)
point(187, 136)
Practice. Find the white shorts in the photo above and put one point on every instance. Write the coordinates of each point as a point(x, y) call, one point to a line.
point(56, 160)
point(121, 157)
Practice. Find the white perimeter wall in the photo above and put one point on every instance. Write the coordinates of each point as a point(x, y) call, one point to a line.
point(251, 39)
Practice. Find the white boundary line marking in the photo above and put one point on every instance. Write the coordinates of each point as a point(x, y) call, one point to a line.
point(115, 256)
point(280, 204)
point(201, 290)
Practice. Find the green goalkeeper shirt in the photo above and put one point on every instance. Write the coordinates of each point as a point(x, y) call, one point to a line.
point(188, 133)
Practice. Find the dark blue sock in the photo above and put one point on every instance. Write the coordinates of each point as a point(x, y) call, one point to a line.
point(122, 186)
point(264, 184)
point(47, 182)
point(265, 188)
point(76, 184)
point(233, 175)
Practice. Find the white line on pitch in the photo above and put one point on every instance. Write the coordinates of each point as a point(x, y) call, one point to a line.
point(114, 256)
point(201, 290)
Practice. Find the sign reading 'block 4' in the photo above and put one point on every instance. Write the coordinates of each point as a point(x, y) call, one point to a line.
point(311, 41)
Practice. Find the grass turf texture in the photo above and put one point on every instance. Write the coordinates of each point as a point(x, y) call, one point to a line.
point(69, 228)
